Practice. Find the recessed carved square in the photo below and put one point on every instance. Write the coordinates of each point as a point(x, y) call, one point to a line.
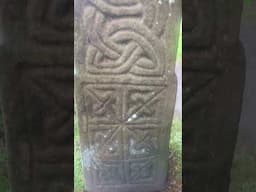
point(143, 104)
point(102, 103)
point(107, 142)
point(142, 171)
point(142, 141)
point(108, 173)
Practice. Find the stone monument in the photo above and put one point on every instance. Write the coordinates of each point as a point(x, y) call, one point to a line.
point(37, 93)
point(213, 80)
point(125, 53)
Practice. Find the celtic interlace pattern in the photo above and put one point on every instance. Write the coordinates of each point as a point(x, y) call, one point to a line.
point(124, 37)
point(123, 80)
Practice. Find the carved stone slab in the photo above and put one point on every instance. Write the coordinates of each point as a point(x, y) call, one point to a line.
point(125, 91)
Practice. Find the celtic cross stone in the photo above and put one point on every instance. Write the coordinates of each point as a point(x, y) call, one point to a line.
point(125, 91)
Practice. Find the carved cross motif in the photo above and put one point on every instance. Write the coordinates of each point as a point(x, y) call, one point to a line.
point(123, 80)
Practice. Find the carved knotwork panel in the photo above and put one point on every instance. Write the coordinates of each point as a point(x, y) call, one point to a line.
point(123, 79)
point(122, 40)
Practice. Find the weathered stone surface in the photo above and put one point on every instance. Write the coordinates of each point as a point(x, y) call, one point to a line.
point(125, 91)
point(37, 93)
point(213, 78)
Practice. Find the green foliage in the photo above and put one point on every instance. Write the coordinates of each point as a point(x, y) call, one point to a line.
point(176, 146)
point(247, 2)
point(179, 51)
point(78, 171)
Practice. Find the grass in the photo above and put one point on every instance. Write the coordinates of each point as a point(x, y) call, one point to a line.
point(244, 173)
point(176, 147)
point(248, 2)
point(179, 50)
point(78, 172)
point(175, 151)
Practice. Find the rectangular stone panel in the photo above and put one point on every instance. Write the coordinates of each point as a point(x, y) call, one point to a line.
point(125, 91)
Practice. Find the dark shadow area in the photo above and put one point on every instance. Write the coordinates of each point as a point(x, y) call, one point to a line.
point(37, 78)
point(213, 85)
point(4, 182)
point(244, 166)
